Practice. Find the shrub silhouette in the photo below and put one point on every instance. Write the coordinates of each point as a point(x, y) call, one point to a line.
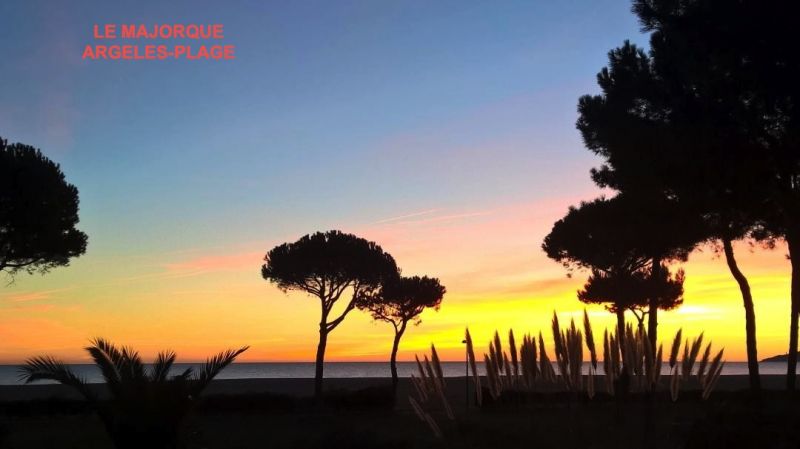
point(146, 406)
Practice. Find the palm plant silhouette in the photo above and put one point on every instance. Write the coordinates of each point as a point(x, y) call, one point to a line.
point(146, 405)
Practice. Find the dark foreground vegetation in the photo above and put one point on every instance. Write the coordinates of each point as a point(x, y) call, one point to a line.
point(368, 418)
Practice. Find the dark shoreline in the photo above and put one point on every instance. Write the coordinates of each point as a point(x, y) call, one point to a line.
point(304, 387)
point(361, 414)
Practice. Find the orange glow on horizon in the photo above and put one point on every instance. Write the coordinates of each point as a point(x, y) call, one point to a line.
point(198, 303)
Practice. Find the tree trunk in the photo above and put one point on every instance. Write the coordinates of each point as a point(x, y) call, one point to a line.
point(622, 384)
point(794, 255)
point(749, 316)
point(640, 326)
point(652, 318)
point(621, 330)
point(393, 360)
point(320, 363)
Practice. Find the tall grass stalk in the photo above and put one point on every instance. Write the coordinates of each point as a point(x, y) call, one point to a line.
point(527, 364)
point(587, 329)
point(430, 385)
point(473, 365)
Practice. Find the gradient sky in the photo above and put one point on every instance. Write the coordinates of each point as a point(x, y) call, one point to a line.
point(442, 130)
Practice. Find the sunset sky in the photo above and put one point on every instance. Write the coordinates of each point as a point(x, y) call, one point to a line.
point(443, 131)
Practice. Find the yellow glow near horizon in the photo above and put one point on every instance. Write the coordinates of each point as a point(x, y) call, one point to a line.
point(496, 275)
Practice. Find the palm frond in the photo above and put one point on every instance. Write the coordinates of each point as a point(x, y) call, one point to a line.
point(214, 365)
point(162, 365)
point(185, 375)
point(107, 366)
point(127, 362)
point(112, 351)
point(50, 368)
point(132, 366)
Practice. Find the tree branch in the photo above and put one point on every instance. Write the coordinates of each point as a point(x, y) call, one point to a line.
point(338, 290)
point(332, 324)
point(350, 306)
point(6, 264)
point(402, 328)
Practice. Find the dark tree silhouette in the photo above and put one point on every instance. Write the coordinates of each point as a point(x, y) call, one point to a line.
point(147, 406)
point(658, 137)
point(716, 87)
point(678, 154)
point(739, 64)
point(399, 302)
point(327, 265)
point(618, 239)
point(620, 291)
point(38, 212)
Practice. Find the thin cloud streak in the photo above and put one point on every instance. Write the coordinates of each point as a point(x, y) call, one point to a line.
point(403, 217)
point(444, 218)
point(35, 296)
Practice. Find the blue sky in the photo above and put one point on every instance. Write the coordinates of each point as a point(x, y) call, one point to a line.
point(332, 111)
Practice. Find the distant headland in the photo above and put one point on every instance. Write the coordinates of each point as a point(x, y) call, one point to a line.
point(777, 358)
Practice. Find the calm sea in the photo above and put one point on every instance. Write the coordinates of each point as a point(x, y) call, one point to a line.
point(9, 373)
